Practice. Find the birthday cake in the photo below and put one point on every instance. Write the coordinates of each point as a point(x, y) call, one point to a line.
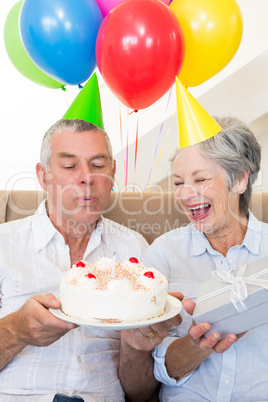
point(113, 292)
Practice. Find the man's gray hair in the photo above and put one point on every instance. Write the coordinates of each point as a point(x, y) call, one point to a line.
point(237, 151)
point(72, 126)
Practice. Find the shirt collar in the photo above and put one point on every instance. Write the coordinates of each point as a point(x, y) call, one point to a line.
point(43, 229)
point(98, 236)
point(103, 230)
point(199, 241)
point(251, 240)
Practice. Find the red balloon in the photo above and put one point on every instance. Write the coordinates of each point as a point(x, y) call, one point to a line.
point(139, 51)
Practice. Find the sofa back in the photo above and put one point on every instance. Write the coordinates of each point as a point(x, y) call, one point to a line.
point(150, 214)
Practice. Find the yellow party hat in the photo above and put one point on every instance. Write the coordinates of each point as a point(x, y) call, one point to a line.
point(194, 123)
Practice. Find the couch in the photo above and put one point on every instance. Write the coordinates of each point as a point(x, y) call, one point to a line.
point(151, 214)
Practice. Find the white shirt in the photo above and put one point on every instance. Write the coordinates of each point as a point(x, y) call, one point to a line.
point(241, 373)
point(33, 257)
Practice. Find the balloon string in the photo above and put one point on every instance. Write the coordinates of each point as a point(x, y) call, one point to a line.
point(65, 97)
point(136, 152)
point(126, 178)
point(157, 143)
point(121, 138)
point(161, 152)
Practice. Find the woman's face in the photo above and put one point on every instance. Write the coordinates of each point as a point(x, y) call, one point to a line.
point(201, 189)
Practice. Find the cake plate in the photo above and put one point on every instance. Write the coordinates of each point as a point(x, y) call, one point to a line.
point(172, 308)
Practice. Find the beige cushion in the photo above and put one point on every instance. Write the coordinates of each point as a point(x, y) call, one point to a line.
point(151, 214)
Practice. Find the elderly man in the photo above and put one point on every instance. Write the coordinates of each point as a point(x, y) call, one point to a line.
point(43, 358)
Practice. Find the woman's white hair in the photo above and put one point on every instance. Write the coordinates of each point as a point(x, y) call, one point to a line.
point(72, 126)
point(237, 151)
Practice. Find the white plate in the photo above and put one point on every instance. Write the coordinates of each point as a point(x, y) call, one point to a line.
point(173, 307)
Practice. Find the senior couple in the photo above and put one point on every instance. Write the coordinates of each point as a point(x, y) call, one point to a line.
point(43, 358)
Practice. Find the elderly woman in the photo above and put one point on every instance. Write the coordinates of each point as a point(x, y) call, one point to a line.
point(213, 184)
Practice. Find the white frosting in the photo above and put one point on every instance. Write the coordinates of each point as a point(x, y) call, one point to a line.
point(149, 283)
point(86, 283)
point(87, 265)
point(119, 285)
point(75, 272)
point(120, 292)
point(105, 263)
point(134, 265)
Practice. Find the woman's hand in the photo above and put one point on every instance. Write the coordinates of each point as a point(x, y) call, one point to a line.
point(185, 354)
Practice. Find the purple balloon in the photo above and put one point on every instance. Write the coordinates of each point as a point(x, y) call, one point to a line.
point(107, 5)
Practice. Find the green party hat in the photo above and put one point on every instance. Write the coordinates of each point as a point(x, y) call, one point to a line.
point(87, 105)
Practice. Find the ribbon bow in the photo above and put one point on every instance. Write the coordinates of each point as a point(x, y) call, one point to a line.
point(239, 283)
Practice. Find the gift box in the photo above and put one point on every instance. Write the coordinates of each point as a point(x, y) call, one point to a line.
point(234, 301)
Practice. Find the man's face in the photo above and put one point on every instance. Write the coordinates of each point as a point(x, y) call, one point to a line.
point(79, 180)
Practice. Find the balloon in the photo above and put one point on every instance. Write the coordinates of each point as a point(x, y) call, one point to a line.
point(60, 37)
point(212, 32)
point(139, 51)
point(107, 5)
point(18, 55)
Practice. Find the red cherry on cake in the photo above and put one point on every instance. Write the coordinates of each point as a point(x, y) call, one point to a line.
point(90, 276)
point(80, 264)
point(134, 260)
point(149, 274)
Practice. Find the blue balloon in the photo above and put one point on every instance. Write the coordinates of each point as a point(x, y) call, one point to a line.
point(60, 37)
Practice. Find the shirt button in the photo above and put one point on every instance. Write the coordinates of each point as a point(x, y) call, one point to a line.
point(226, 381)
point(79, 359)
point(230, 262)
point(74, 392)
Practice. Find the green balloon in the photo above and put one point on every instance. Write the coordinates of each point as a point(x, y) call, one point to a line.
point(18, 55)
point(87, 104)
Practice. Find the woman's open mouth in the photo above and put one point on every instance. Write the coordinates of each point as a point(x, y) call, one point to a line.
point(199, 211)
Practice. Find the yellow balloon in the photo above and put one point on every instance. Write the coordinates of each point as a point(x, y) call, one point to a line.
point(212, 31)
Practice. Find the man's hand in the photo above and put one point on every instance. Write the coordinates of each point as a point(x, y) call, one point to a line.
point(34, 325)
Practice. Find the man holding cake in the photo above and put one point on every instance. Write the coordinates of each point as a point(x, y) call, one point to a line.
point(44, 358)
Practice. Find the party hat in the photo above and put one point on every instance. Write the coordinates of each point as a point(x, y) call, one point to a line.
point(87, 105)
point(194, 123)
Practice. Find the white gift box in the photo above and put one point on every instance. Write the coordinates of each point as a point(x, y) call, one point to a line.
point(234, 301)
